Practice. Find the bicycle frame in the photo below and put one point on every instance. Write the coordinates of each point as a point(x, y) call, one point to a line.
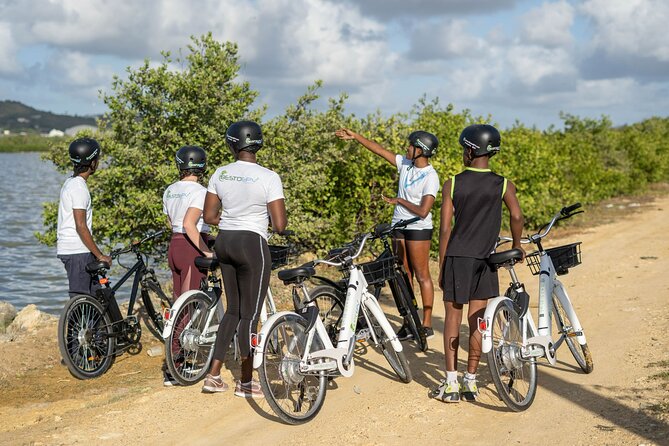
point(540, 342)
point(337, 359)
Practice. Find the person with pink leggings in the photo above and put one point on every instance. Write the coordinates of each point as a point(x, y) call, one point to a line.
point(183, 202)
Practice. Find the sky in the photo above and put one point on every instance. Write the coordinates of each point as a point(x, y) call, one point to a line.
point(513, 60)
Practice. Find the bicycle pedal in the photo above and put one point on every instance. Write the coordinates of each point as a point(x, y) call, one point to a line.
point(363, 335)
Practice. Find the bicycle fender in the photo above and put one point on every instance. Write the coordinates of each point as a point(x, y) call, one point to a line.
point(485, 323)
point(262, 336)
point(169, 322)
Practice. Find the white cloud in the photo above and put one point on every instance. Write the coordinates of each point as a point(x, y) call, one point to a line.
point(8, 48)
point(443, 40)
point(549, 24)
point(630, 27)
point(531, 64)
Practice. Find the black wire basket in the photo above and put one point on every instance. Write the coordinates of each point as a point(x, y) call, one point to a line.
point(380, 270)
point(280, 255)
point(563, 257)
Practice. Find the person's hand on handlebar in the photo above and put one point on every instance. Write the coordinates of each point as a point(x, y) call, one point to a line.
point(106, 259)
point(520, 248)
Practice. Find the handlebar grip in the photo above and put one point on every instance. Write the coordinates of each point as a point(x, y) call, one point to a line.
point(569, 209)
point(403, 223)
point(286, 233)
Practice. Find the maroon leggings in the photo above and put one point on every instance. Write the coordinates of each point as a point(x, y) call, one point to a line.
point(181, 259)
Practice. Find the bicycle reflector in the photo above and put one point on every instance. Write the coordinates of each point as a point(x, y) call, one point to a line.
point(255, 339)
point(104, 281)
point(483, 324)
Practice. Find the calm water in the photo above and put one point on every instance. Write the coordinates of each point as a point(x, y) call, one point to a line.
point(30, 273)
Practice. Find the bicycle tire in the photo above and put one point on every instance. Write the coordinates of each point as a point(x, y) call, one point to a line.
point(580, 352)
point(330, 308)
point(397, 360)
point(514, 378)
point(85, 337)
point(411, 317)
point(187, 361)
point(295, 397)
point(152, 294)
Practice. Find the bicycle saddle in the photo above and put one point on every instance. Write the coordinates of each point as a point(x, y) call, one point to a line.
point(95, 267)
point(500, 258)
point(208, 263)
point(296, 275)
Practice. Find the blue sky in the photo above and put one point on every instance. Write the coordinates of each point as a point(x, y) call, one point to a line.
point(511, 59)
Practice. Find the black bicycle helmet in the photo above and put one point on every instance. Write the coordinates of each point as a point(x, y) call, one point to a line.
point(483, 139)
point(191, 158)
point(425, 141)
point(244, 135)
point(83, 151)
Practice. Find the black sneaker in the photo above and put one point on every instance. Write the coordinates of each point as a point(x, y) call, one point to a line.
point(403, 334)
point(429, 332)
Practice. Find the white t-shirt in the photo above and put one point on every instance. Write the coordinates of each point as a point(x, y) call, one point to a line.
point(180, 196)
point(415, 182)
point(244, 190)
point(73, 195)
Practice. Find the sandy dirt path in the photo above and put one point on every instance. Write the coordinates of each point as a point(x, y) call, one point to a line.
point(621, 294)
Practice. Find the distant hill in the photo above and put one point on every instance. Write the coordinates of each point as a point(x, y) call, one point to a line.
point(16, 117)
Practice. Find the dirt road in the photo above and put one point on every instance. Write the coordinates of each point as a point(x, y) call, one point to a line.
point(621, 294)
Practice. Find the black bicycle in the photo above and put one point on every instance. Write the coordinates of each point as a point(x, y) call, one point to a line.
point(92, 330)
point(385, 268)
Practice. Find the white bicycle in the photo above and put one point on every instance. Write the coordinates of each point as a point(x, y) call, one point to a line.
point(511, 340)
point(295, 356)
point(191, 324)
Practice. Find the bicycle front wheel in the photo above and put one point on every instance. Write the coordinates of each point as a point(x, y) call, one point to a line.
point(330, 308)
point(187, 357)
point(407, 299)
point(295, 397)
point(515, 377)
point(85, 337)
point(580, 352)
point(155, 303)
point(397, 360)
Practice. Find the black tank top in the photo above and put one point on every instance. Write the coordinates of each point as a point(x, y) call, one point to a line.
point(477, 199)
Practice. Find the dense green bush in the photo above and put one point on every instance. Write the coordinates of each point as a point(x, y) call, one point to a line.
point(333, 188)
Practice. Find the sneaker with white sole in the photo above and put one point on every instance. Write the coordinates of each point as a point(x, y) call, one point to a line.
point(403, 334)
point(214, 384)
point(446, 392)
point(168, 379)
point(250, 389)
point(469, 391)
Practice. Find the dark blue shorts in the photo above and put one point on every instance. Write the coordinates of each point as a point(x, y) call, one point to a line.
point(80, 281)
point(467, 278)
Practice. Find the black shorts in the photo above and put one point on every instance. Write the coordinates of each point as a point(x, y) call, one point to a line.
point(80, 282)
point(467, 278)
point(413, 234)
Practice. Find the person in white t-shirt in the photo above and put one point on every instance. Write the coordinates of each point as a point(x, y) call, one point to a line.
point(75, 246)
point(183, 202)
point(241, 199)
point(416, 192)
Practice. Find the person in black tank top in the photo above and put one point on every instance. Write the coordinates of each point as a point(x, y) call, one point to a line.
point(473, 200)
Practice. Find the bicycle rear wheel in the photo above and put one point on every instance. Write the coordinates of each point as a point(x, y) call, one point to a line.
point(330, 308)
point(153, 297)
point(407, 300)
point(580, 352)
point(187, 359)
point(397, 360)
point(515, 378)
point(85, 337)
point(295, 397)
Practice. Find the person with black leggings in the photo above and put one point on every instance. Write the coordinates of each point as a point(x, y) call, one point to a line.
point(241, 199)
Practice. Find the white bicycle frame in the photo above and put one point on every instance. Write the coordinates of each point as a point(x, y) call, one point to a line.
point(540, 341)
point(337, 359)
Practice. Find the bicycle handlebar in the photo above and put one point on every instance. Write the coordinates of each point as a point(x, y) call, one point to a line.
point(116, 252)
point(562, 214)
point(565, 211)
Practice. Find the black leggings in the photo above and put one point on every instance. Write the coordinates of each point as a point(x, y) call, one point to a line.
point(246, 265)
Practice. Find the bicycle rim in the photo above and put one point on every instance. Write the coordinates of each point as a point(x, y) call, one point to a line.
point(294, 397)
point(397, 360)
point(515, 378)
point(580, 352)
point(187, 359)
point(84, 338)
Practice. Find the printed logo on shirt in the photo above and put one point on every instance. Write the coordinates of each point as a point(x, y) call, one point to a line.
point(172, 196)
point(408, 182)
point(223, 176)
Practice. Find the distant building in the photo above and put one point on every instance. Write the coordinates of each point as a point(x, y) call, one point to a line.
point(6, 132)
point(55, 132)
point(79, 128)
